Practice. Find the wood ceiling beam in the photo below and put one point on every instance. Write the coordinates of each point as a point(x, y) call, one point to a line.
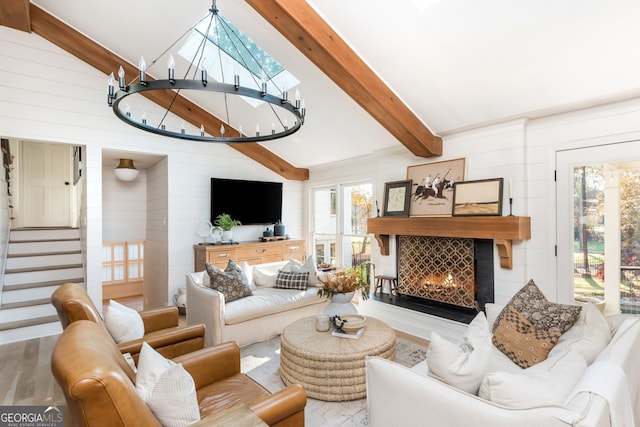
point(15, 14)
point(85, 49)
point(297, 21)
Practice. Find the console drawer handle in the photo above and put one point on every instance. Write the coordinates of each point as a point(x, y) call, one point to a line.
point(222, 255)
point(293, 248)
point(261, 251)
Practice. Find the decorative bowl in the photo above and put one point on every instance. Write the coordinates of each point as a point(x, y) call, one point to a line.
point(353, 322)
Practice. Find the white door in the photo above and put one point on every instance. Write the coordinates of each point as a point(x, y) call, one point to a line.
point(46, 185)
point(598, 225)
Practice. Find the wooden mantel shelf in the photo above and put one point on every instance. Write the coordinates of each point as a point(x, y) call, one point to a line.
point(502, 229)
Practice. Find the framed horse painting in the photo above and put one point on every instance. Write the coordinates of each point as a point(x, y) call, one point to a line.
point(432, 189)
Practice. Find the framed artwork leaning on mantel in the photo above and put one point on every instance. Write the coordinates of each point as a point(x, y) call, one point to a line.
point(478, 198)
point(432, 187)
point(397, 196)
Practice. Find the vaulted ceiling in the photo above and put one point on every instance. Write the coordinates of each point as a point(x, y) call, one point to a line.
point(378, 74)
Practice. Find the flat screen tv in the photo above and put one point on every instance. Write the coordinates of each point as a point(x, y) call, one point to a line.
point(250, 202)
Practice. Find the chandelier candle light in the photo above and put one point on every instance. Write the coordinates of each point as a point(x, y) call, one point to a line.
point(279, 105)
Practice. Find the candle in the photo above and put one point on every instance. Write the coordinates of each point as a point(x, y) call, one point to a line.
point(510, 189)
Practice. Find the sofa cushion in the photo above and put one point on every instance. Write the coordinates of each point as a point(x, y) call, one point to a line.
point(248, 273)
point(520, 340)
point(590, 334)
point(309, 266)
point(462, 365)
point(547, 383)
point(231, 282)
point(167, 388)
point(265, 301)
point(492, 311)
point(292, 280)
point(543, 314)
point(264, 277)
point(123, 323)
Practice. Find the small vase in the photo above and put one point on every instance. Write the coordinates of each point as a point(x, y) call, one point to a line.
point(227, 236)
point(340, 305)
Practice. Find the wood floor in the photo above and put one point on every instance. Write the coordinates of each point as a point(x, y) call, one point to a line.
point(25, 369)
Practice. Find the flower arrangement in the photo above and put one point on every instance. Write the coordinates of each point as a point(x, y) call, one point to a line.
point(342, 282)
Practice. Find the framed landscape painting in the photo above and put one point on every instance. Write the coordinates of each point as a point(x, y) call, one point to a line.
point(478, 198)
point(432, 187)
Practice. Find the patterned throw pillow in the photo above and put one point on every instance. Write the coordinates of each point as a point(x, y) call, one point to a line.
point(309, 265)
point(231, 282)
point(520, 340)
point(292, 280)
point(544, 315)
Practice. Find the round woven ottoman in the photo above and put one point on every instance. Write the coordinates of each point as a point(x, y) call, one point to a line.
point(332, 368)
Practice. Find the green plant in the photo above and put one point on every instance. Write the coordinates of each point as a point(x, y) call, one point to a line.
point(225, 222)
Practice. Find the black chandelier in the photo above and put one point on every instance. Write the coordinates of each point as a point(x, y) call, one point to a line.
point(279, 105)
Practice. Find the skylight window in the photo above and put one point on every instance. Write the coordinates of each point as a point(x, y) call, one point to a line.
point(224, 59)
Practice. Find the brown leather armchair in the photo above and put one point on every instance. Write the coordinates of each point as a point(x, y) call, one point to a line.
point(161, 330)
point(98, 384)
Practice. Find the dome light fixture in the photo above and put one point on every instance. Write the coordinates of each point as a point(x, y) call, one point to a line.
point(126, 171)
point(220, 33)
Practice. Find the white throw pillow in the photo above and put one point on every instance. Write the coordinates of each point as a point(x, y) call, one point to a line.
point(265, 278)
point(492, 311)
point(544, 384)
point(248, 272)
point(462, 365)
point(167, 388)
point(123, 323)
point(309, 266)
point(590, 334)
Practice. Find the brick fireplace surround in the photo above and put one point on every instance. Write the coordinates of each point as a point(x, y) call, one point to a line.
point(446, 265)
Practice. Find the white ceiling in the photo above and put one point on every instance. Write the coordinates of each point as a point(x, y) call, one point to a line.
point(458, 64)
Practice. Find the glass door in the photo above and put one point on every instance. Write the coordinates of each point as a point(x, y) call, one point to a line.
point(598, 226)
point(339, 224)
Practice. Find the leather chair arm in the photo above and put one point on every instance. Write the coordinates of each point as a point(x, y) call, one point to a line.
point(163, 339)
point(280, 405)
point(211, 364)
point(159, 318)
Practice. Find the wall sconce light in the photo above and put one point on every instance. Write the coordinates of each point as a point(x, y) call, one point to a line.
point(126, 171)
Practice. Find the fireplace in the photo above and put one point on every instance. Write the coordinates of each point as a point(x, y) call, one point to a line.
point(446, 277)
point(486, 232)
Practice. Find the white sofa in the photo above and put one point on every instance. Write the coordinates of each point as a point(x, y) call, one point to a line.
point(251, 319)
point(607, 394)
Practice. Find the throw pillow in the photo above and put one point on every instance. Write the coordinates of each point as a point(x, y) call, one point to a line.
point(167, 388)
point(292, 280)
point(123, 323)
point(236, 270)
point(309, 266)
point(590, 334)
point(231, 282)
point(543, 314)
point(248, 272)
point(545, 384)
point(264, 277)
point(462, 365)
point(492, 310)
point(520, 340)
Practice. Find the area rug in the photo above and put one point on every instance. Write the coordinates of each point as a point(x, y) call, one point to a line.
point(261, 362)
